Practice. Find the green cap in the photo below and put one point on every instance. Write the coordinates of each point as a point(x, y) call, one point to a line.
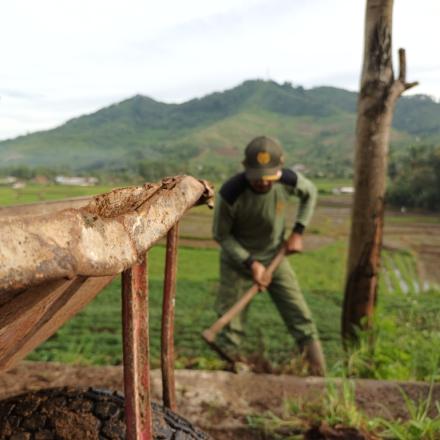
point(263, 159)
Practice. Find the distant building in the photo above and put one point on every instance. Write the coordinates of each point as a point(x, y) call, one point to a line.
point(301, 168)
point(8, 180)
point(41, 180)
point(343, 190)
point(19, 185)
point(76, 181)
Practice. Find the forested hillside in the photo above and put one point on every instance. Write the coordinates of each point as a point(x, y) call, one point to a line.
point(206, 135)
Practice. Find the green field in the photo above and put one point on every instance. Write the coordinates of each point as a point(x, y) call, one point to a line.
point(40, 193)
point(407, 326)
point(94, 336)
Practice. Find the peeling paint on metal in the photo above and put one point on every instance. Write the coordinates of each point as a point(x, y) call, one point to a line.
point(103, 238)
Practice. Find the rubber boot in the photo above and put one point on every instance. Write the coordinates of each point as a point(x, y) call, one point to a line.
point(314, 358)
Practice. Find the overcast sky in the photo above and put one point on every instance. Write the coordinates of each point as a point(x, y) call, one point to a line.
point(64, 58)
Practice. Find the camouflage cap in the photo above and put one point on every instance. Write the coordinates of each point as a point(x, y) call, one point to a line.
point(263, 159)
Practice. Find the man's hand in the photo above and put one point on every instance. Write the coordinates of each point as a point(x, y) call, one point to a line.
point(260, 276)
point(294, 244)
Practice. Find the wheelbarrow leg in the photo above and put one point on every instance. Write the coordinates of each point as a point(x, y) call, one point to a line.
point(136, 349)
point(169, 297)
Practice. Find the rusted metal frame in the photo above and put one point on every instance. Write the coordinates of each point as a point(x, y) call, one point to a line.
point(168, 307)
point(138, 413)
point(100, 239)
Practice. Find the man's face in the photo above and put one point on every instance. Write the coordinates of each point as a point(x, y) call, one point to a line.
point(261, 185)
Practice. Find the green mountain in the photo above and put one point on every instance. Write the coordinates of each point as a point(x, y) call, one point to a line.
point(316, 127)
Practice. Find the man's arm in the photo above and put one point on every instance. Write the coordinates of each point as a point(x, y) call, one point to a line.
point(307, 193)
point(222, 226)
point(223, 220)
point(298, 185)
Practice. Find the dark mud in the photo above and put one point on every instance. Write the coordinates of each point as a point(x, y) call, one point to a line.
point(81, 414)
point(221, 402)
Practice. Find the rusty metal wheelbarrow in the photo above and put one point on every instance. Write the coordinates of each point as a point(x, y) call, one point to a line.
point(52, 265)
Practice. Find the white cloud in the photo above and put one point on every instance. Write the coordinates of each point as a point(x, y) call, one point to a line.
point(61, 58)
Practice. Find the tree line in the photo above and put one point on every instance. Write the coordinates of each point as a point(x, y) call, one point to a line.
point(415, 178)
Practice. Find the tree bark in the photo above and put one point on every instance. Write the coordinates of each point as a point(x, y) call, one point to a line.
point(379, 91)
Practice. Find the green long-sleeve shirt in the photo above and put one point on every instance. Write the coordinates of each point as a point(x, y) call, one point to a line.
point(249, 224)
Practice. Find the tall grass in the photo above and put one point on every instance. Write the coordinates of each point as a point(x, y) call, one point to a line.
point(338, 408)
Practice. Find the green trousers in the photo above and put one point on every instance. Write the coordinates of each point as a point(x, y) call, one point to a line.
point(284, 291)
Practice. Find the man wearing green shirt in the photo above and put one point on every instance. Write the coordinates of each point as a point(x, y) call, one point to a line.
point(249, 225)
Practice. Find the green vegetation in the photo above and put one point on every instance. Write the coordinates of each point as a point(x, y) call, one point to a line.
point(326, 186)
point(415, 178)
point(142, 140)
point(405, 332)
point(40, 193)
point(206, 136)
point(338, 409)
point(93, 336)
point(418, 115)
point(406, 326)
point(420, 424)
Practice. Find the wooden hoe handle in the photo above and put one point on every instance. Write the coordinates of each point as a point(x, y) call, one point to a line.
point(210, 334)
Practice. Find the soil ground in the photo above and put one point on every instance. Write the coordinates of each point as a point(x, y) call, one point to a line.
point(219, 402)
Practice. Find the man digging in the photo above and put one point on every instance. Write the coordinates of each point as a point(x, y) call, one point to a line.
point(249, 225)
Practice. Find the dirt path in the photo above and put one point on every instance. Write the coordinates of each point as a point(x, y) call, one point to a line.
point(218, 401)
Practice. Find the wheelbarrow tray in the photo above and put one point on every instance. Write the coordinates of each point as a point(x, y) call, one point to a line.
point(52, 265)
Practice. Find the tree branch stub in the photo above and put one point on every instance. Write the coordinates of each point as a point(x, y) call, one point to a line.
point(402, 71)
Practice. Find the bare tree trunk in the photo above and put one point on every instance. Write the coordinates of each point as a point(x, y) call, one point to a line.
point(378, 94)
